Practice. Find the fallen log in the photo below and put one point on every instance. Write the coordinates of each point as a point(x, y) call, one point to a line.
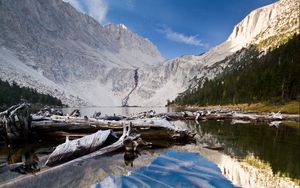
point(149, 128)
point(110, 148)
point(79, 147)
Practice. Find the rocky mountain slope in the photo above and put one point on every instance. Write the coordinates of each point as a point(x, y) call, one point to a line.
point(50, 46)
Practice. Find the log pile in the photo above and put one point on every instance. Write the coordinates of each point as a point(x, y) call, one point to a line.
point(97, 136)
point(219, 114)
point(149, 128)
point(136, 134)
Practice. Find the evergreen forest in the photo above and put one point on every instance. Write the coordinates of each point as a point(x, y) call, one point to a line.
point(272, 77)
point(11, 94)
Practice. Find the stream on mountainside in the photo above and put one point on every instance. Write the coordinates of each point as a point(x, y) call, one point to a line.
point(254, 155)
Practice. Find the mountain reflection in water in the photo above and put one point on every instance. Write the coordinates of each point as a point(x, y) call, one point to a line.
point(278, 147)
point(172, 169)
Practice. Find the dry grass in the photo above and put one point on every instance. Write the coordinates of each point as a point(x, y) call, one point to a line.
point(292, 107)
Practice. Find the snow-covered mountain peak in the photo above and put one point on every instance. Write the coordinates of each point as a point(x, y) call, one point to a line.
point(123, 26)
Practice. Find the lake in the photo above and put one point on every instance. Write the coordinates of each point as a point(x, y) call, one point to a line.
point(252, 153)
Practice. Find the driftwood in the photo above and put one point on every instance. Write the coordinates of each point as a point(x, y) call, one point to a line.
point(75, 113)
point(95, 145)
point(111, 118)
point(16, 122)
point(97, 115)
point(79, 147)
point(229, 114)
point(110, 148)
point(47, 112)
point(71, 151)
point(149, 128)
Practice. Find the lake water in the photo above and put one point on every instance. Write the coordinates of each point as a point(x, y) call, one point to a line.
point(253, 153)
point(255, 150)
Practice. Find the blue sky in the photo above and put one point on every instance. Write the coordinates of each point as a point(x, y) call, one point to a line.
point(176, 27)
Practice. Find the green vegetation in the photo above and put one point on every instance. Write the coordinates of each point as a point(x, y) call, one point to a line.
point(274, 42)
point(11, 94)
point(273, 78)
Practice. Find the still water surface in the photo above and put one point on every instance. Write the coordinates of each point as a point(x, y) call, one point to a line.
point(251, 153)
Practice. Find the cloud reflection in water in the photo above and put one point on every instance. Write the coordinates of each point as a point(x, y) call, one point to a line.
point(172, 169)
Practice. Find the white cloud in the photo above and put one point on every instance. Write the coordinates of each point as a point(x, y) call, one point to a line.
point(94, 8)
point(180, 37)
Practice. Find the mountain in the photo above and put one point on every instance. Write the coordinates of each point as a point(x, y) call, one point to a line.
point(50, 46)
point(266, 28)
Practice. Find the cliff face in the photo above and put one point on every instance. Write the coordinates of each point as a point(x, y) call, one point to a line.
point(280, 18)
point(50, 46)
